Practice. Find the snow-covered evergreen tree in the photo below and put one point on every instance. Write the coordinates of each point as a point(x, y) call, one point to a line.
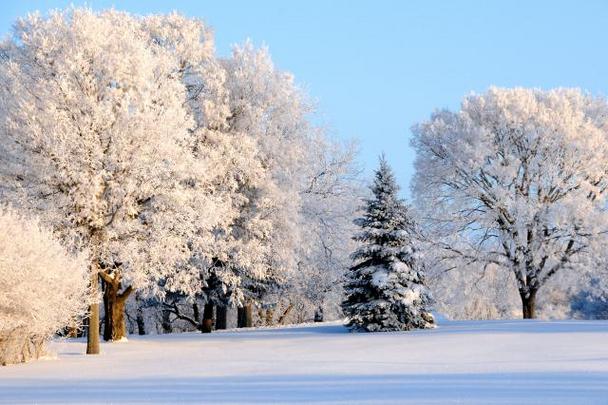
point(385, 288)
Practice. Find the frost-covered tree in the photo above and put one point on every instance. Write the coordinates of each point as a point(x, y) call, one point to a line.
point(330, 202)
point(516, 179)
point(385, 288)
point(472, 291)
point(267, 108)
point(44, 288)
point(95, 139)
point(229, 159)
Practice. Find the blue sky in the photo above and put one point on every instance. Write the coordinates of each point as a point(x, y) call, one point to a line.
point(377, 67)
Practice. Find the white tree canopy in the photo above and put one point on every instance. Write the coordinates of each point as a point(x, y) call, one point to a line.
point(516, 178)
point(95, 138)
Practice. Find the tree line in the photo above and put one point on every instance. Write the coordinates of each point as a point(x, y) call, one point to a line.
point(181, 174)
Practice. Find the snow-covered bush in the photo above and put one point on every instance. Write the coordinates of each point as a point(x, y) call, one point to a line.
point(487, 292)
point(386, 290)
point(43, 288)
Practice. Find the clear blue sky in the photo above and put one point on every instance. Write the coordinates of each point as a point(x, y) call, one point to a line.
point(377, 67)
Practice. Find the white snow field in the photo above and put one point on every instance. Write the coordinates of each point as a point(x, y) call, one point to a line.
point(500, 362)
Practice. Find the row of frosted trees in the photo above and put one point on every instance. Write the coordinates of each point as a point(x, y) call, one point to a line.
point(179, 175)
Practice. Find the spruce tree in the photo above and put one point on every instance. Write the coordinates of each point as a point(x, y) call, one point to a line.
point(385, 288)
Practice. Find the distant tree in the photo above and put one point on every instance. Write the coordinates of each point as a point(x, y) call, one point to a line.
point(516, 180)
point(44, 288)
point(221, 252)
point(266, 107)
point(385, 288)
point(331, 196)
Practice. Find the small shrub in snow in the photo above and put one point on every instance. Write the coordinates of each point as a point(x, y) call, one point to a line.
point(385, 287)
point(42, 288)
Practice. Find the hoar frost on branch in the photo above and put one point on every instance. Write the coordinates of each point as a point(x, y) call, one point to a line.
point(331, 196)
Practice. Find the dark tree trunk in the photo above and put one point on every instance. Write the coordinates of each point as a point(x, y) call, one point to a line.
point(141, 324)
point(93, 319)
point(221, 317)
point(115, 326)
point(245, 316)
point(196, 313)
point(240, 317)
point(207, 324)
point(166, 322)
point(528, 301)
point(319, 314)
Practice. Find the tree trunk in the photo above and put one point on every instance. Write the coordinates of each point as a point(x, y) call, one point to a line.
point(221, 317)
point(245, 316)
point(269, 317)
point(115, 327)
point(141, 323)
point(93, 319)
point(319, 314)
point(196, 313)
point(285, 313)
point(528, 301)
point(166, 322)
point(207, 325)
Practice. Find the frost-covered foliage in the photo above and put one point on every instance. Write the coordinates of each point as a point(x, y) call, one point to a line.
point(44, 289)
point(385, 289)
point(516, 179)
point(475, 291)
point(226, 157)
point(97, 138)
point(330, 201)
point(184, 174)
point(306, 188)
point(93, 137)
point(266, 108)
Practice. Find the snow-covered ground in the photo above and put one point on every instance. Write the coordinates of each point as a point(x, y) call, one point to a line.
point(460, 362)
